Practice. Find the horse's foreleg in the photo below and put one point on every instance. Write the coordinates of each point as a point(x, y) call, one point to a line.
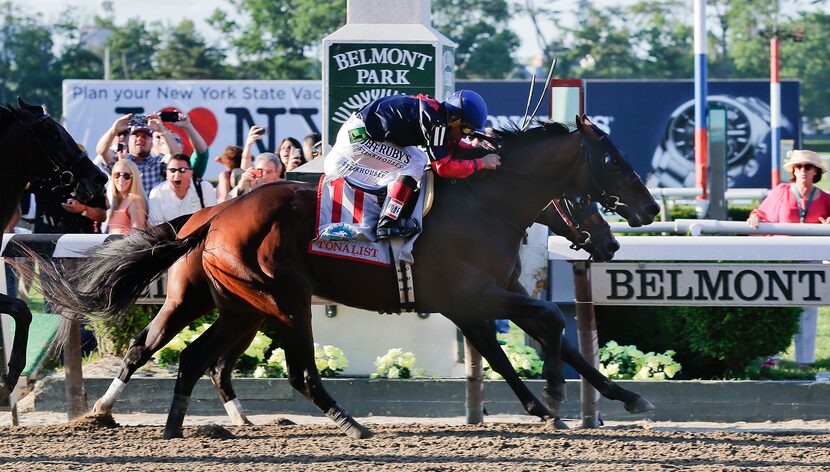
point(549, 318)
point(304, 377)
point(196, 358)
point(634, 402)
point(220, 375)
point(19, 311)
point(482, 336)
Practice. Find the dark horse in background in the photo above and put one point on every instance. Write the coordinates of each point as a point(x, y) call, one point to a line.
point(249, 258)
point(38, 151)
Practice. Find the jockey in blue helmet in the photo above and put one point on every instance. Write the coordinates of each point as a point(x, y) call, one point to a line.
point(379, 145)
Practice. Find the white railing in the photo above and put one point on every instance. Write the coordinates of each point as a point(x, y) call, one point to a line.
point(714, 227)
point(691, 192)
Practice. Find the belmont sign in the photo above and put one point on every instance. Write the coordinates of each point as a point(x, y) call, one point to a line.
point(711, 284)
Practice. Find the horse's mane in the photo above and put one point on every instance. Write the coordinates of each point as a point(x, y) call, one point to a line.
point(512, 133)
point(7, 114)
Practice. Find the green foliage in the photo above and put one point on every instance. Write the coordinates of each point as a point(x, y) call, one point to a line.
point(396, 364)
point(170, 354)
point(485, 45)
point(524, 359)
point(630, 363)
point(116, 341)
point(329, 360)
point(710, 342)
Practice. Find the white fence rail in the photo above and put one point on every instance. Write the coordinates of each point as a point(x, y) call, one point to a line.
point(698, 227)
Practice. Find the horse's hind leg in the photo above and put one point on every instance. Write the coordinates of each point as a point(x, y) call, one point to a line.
point(19, 311)
point(187, 300)
point(220, 375)
point(196, 358)
point(303, 374)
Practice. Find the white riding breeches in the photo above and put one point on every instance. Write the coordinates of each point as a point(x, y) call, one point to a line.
point(370, 162)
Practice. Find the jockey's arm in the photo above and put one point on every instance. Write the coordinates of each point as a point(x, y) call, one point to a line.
point(461, 168)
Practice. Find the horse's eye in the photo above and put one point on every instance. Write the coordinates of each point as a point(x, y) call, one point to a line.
point(613, 162)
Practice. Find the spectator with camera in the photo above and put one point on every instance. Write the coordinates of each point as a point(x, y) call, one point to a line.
point(267, 168)
point(291, 154)
point(311, 149)
point(181, 194)
point(168, 147)
point(141, 129)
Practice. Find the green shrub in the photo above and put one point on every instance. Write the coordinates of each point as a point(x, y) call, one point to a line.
point(630, 363)
point(524, 359)
point(710, 342)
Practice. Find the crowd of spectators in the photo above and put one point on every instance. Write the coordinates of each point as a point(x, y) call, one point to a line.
point(153, 181)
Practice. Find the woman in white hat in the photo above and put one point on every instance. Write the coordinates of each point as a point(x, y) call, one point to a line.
point(799, 201)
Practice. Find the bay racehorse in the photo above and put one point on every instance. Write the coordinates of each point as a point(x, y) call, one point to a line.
point(249, 258)
point(37, 151)
point(578, 220)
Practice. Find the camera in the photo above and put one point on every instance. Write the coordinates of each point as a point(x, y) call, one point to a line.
point(169, 116)
point(257, 172)
point(296, 152)
point(138, 121)
point(262, 131)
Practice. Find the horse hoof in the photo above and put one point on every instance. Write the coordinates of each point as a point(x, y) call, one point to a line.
point(556, 423)
point(639, 405)
point(358, 432)
point(551, 402)
point(173, 433)
point(100, 409)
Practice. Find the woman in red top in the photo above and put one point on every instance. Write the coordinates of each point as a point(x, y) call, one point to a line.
point(799, 201)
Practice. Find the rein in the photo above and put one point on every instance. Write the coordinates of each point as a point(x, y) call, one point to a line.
point(61, 178)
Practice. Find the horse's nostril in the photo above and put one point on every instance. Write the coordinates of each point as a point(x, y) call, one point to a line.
point(613, 246)
point(653, 209)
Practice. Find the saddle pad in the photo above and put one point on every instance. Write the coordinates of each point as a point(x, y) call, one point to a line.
point(346, 220)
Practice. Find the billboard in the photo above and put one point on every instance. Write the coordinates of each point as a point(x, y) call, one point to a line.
point(221, 110)
point(651, 121)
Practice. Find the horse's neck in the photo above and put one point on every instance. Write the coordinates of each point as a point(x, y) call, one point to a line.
point(9, 201)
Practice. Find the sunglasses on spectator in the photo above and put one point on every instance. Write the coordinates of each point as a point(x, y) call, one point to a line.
point(118, 175)
point(173, 170)
point(804, 166)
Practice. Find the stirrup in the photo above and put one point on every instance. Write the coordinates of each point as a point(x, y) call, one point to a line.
point(403, 228)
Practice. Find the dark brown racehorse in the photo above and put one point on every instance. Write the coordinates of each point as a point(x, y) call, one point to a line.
point(248, 257)
point(38, 151)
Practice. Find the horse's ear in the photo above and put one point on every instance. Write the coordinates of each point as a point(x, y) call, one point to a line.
point(30, 108)
point(584, 125)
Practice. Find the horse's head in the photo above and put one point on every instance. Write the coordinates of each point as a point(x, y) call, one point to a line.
point(579, 220)
point(56, 156)
point(613, 182)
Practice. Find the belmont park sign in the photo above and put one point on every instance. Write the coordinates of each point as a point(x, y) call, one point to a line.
point(710, 284)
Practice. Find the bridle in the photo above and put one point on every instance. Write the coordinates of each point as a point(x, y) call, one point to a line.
point(62, 178)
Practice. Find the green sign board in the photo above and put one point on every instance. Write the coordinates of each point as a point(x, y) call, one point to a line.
point(362, 72)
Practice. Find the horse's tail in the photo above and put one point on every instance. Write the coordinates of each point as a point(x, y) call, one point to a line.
point(106, 283)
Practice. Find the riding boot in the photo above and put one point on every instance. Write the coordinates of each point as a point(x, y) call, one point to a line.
point(395, 216)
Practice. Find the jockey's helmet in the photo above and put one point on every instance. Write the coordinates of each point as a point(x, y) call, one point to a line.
point(469, 106)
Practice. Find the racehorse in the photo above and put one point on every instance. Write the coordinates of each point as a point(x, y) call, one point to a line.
point(41, 153)
point(248, 257)
point(577, 220)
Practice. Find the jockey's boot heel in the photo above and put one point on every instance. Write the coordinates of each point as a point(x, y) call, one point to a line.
point(402, 227)
point(394, 216)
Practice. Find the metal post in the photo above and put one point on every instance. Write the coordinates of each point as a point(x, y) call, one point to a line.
point(475, 384)
point(588, 344)
point(75, 394)
point(701, 94)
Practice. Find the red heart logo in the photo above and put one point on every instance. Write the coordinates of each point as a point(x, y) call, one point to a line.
point(203, 121)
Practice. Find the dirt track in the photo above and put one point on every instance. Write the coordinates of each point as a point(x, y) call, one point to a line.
point(93, 444)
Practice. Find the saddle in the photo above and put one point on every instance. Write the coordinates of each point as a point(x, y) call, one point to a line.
point(347, 214)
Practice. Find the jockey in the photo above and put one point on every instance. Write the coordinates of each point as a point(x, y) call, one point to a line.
point(378, 146)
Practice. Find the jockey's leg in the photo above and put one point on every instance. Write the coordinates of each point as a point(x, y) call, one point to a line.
point(395, 216)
